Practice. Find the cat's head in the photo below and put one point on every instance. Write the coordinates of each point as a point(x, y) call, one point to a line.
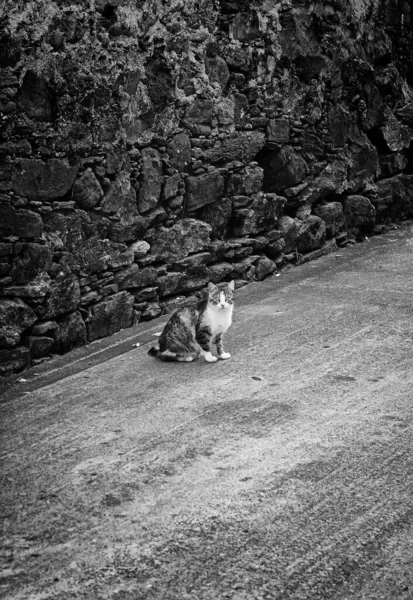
point(221, 298)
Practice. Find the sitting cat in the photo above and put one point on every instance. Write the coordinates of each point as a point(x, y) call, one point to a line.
point(191, 329)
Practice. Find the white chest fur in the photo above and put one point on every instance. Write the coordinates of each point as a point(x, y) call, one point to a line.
point(218, 319)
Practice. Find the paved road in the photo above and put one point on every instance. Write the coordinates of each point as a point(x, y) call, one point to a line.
point(283, 473)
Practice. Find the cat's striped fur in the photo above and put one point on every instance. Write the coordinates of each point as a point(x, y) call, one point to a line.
point(191, 330)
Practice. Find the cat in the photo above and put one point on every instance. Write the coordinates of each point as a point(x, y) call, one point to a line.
point(191, 329)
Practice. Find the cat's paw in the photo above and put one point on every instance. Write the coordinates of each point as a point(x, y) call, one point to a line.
point(224, 356)
point(210, 358)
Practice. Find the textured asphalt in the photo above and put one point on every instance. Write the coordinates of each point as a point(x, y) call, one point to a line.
point(285, 472)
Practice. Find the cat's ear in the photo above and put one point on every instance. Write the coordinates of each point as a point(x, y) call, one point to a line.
point(212, 288)
point(231, 285)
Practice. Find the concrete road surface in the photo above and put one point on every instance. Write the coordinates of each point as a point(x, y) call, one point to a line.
point(285, 472)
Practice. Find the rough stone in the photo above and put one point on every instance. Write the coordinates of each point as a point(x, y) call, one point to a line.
point(198, 117)
point(38, 345)
point(220, 271)
point(243, 147)
point(63, 297)
point(170, 283)
point(311, 234)
point(278, 131)
point(359, 213)
point(391, 164)
point(396, 135)
point(31, 260)
point(338, 124)
point(217, 215)
point(264, 267)
point(87, 190)
point(203, 189)
point(283, 169)
point(35, 289)
point(109, 316)
point(332, 215)
point(395, 197)
point(189, 235)
point(42, 327)
point(262, 214)
point(127, 278)
point(36, 179)
point(152, 179)
point(171, 188)
point(70, 332)
point(22, 223)
point(288, 228)
point(217, 70)
point(179, 150)
point(192, 261)
point(140, 249)
point(119, 255)
point(247, 182)
point(15, 318)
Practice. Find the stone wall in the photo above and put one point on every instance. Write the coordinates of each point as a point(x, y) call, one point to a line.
point(149, 147)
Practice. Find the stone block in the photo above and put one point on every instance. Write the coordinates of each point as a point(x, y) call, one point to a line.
point(278, 131)
point(217, 70)
point(127, 278)
point(217, 215)
point(109, 316)
point(42, 327)
point(261, 215)
point(220, 271)
point(392, 164)
point(193, 260)
point(87, 190)
point(247, 182)
point(183, 238)
point(171, 188)
point(288, 228)
point(179, 151)
point(35, 289)
point(283, 169)
point(140, 249)
point(22, 223)
point(63, 297)
point(264, 267)
point(332, 215)
point(395, 197)
point(359, 213)
point(311, 234)
point(32, 260)
point(396, 135)
point(338, 124)
point(170, 284)
point(119, 255)
point(244, 146)
point(36, 179)
point(15, 317)
point(152, 178)
point(70, 332)
point(203, 189)
point(38, 345)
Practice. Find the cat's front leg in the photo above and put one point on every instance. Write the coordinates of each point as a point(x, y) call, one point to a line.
point(203, 338)
point(220, 348)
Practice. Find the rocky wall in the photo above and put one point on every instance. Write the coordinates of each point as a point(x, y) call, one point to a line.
point(148, 147)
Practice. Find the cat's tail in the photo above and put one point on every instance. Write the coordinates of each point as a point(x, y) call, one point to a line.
point(168, 356)
point(155, 351)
